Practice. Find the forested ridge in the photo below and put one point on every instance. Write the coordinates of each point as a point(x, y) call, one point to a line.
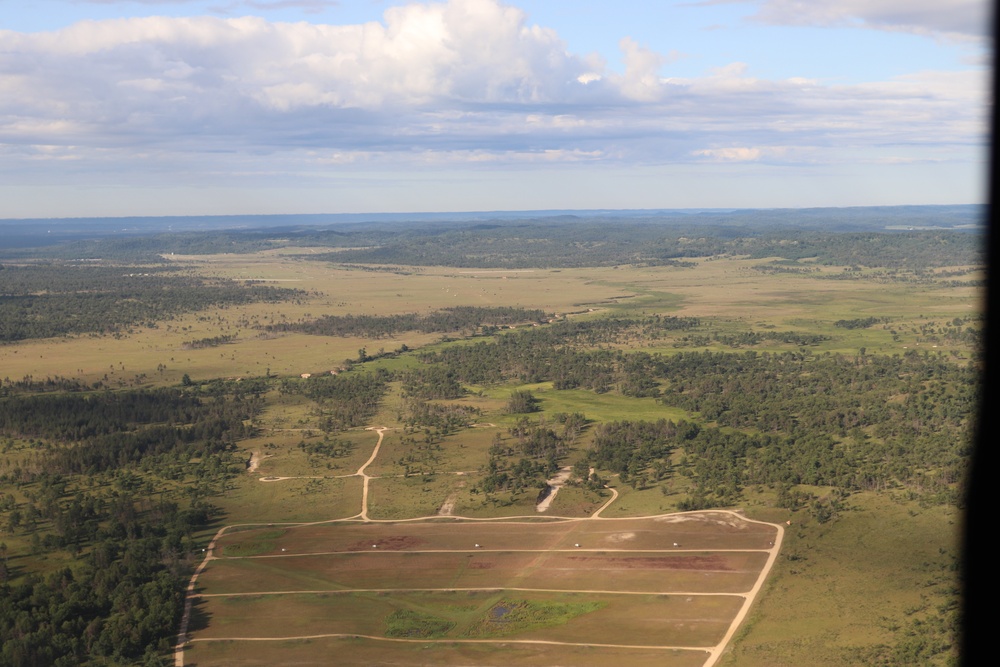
point(829, 236)
point(528, 246)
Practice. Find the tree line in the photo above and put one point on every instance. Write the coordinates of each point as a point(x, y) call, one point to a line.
point(447, 320)
point(43, 301)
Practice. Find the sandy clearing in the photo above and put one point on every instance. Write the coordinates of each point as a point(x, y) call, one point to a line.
point(620, 537)
point(447, 507)
point(255, 459)
point(554, 485)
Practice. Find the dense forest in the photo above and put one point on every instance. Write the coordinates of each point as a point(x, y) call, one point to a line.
point(858, 422)
point(343, 401)
point(46, 300)
point(125, 480)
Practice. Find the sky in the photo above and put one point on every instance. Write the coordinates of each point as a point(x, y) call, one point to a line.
point(224, 107)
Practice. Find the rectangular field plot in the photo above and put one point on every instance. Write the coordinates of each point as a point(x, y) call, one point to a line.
point(700, 572)
point(525, 591)
point(696, 531)
point(364, 652)
point(627, 620)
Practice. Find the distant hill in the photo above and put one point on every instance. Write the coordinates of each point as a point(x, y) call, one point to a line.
point(36, 232)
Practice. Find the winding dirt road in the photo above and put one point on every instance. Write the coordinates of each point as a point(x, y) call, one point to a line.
point(361, 471)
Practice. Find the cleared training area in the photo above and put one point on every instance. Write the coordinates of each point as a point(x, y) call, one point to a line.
point(662, 590)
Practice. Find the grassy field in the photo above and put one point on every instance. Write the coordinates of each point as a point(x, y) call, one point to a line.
point(698, 530)
point(292, 500)
point(669, 582)
point(646, 620)
point(885, 567)
point(695, 572)
point(728, 291)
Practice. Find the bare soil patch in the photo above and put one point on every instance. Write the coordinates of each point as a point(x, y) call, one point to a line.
point(388, 543)
point(713, 563)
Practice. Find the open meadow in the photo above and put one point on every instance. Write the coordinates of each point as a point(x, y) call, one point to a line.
point(729, 291)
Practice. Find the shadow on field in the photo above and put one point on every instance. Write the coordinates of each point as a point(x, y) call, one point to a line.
point(199, 616)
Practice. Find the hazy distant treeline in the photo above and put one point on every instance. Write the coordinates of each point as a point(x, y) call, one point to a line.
point(923, 237)
point(586, 245)
point(448, 320)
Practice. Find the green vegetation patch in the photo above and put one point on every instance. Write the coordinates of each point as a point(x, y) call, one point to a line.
point(447, 320)
point(261, 543)
point(413, 624)
point(510, 616)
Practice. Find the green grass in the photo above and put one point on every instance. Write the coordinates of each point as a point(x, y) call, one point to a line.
point(291, 500)
point(649, 500)
point(641, 298)
point(261, 543)
point(881, 565)
point(511, 616)
point(412, 624)
point(596, 407)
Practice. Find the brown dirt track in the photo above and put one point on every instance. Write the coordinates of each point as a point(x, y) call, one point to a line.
point(729, 572)
point(697, 532)
point(352, 652)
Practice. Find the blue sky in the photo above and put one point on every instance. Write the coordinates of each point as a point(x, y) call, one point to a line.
point(114, 107)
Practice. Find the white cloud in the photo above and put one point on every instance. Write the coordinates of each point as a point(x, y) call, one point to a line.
point(477, 50)
point(733, 154)
point(641, 80)
point(465, 82)
point(308, 6)
point(957, 19)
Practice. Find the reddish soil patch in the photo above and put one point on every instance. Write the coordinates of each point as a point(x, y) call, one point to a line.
point(389, 543)
point(669, 563)
point(482, 566)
